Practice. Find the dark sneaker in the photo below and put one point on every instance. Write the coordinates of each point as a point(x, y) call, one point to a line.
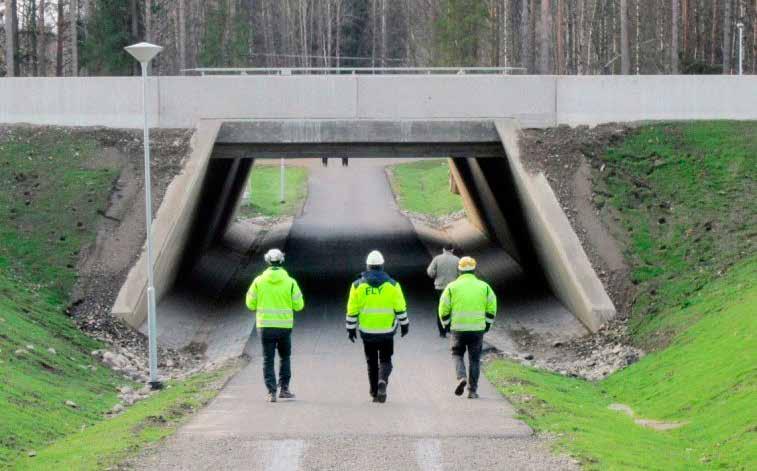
point(375, 399)
point(286, 394)
point(381, 393)
point(472, 395)
point(460, 389)
point(272, 397)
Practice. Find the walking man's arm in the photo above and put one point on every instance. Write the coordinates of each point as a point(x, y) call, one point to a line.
point(251, 299)
point(445, 307)
point(491, 307)
point(353, 312)
point(431, 270)
point(298, 302)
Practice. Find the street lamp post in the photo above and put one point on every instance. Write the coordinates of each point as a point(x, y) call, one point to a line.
point(144, 53)
point(740, 26)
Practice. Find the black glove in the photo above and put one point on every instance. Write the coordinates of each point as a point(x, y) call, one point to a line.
point(352, 334)
point(404, 329)
point(448, 327)
point(488, 326)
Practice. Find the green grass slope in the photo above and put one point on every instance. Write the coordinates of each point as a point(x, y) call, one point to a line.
point(265, 192)
point(50, 191)
point(52, 185)
point(684, 194)
point(423, 187)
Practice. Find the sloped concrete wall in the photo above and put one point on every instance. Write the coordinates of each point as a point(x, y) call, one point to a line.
point(171, 230)
point(566, 266)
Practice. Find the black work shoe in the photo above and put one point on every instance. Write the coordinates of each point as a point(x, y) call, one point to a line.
point(472, 395)
point(286, 394)
point(271, 397)
point(381, 393)
point(461, 387)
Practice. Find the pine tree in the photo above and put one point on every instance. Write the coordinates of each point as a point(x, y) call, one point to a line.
point(458, 31)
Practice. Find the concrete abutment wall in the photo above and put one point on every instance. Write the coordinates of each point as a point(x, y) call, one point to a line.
point(518, 211)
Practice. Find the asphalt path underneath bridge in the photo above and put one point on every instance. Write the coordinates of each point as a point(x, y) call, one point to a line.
point(333, 424)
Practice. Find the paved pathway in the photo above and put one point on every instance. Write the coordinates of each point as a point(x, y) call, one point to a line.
point(333, 424)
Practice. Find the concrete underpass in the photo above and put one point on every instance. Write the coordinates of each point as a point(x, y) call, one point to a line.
point(350, 211)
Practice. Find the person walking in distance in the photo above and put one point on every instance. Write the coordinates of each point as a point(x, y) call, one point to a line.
point(468, 306)
point(274, 296)
point(443, 270)
point(376, 306)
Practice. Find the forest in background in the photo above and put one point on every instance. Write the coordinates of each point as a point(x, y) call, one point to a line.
point(586, 37)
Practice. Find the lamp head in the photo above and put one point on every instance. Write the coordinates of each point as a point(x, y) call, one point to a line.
point(143, 52)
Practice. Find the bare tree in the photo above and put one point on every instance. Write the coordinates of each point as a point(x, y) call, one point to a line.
point(42, 41)
point(625, 52)
point(727, 37)
point(11, 66)
point(148, 20)
point(74, 32)
point(674, 37)
point(525, 35)
point(61, 22)
point(545, 57)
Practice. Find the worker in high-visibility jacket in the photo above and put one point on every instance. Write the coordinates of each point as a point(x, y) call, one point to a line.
point(467, 308)
point(375, 307)
point(275, 296)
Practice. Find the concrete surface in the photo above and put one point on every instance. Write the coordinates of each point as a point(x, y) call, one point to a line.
point(170, 230)
point(565, 263)
point(333, 424)
point(536, 101)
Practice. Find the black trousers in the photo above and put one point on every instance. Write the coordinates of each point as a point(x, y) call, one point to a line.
point(378, 356)
point(274, 340)
point(472, 342)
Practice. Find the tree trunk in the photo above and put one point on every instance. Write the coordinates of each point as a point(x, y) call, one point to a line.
point(59, 41)
point(545, 63)
point(674, 38)
point(148, 20)
point(560, 53)
point(625, 51)
point(727, 37)
point(11, 67)
point(74, 32)
point(525, 37)
point(182, 26)
point(42, 42)
point(383, 33)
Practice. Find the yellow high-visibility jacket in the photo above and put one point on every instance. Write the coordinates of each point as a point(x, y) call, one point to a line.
point(274, 296)
point(468, 303)
point(376, 304)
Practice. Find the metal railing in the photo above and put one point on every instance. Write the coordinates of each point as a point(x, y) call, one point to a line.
point(285, 71)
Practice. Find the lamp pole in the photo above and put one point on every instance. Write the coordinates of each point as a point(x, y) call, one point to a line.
point(144, 53)
point(281, 181)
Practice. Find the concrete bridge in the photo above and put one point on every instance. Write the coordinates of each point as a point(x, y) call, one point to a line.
point(473, 120)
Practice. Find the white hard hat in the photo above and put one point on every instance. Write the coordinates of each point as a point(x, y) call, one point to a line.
point(374, 259)
point(274, 256)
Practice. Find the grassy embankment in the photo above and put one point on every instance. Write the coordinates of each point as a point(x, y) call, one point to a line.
point(423, 187)
point(51, 188)
point(264, 191)
point(684, 195)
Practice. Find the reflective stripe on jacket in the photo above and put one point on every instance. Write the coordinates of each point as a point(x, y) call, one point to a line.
point(468, 303)
point(376, 304)
point(274, 296)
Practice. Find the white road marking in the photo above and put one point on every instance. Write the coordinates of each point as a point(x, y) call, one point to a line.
point(285, 455)
point(428, 454)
